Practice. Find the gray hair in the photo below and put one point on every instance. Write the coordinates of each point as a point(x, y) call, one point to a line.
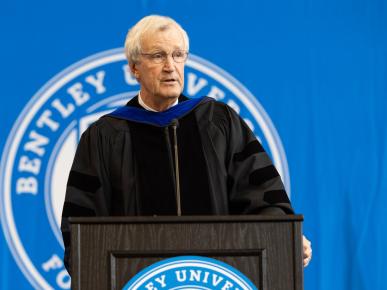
point(148, 24)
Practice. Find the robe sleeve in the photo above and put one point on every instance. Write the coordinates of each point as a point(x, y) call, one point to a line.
point(87, 186)
point(254, 184)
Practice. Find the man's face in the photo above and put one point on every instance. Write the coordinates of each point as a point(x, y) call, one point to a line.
point(160, 81)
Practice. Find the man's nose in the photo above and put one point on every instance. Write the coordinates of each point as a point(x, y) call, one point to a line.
point(169, 63)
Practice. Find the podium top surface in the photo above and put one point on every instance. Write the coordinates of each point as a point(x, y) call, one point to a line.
point(185, 219)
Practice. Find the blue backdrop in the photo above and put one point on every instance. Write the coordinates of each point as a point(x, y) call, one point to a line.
point(318, 68)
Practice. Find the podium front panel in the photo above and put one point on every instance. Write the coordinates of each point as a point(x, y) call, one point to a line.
point(108, 254)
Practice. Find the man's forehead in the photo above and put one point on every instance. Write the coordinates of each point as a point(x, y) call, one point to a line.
point(169, 36)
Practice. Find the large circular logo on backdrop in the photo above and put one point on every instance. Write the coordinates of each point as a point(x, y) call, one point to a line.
point(40, 148)
point(190, 273)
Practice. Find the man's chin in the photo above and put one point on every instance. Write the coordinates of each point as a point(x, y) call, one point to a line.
point(171, 94)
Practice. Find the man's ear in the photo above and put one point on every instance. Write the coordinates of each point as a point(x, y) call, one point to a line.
point(133, 69)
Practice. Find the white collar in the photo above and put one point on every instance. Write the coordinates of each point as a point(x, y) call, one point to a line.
point(146, 107)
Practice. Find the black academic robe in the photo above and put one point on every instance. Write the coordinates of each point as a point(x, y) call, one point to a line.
point(124, 166)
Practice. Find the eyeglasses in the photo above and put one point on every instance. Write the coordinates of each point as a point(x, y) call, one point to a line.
point(161, 57)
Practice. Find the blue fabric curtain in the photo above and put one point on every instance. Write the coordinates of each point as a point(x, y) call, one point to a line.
point(318, 68)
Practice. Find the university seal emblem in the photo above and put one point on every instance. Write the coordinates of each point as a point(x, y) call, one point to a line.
point(190, 273)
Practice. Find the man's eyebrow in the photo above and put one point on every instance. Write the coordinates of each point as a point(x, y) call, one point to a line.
point(155, 49)
point(158, 48)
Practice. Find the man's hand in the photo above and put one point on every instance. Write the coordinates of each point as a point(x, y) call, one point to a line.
point(307, 247)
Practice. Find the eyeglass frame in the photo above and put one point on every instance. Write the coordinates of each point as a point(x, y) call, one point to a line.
point(164, 56)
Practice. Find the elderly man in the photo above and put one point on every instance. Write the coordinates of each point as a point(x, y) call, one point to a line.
point(125, 163)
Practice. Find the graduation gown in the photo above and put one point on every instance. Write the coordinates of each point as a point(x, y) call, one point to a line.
point(124, 166)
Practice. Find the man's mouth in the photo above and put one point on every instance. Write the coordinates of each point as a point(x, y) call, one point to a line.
point(169, 81)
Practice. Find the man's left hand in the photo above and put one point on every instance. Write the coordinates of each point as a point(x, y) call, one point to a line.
point(307, 248)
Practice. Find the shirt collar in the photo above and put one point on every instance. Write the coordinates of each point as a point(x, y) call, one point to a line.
point(146, 107)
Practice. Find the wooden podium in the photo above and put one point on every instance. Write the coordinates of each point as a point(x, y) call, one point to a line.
point(108, 251)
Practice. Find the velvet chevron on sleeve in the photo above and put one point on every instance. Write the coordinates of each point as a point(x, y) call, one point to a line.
point(85, 185)
point(255, 186)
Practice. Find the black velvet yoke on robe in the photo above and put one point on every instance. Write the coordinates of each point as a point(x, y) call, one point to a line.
point(153, 151)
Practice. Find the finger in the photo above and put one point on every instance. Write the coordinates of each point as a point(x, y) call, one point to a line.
point(306, 242)
point(307, 252)
point(306, 262)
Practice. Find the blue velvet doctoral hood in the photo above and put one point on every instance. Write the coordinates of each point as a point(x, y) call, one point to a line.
point(158, 118)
